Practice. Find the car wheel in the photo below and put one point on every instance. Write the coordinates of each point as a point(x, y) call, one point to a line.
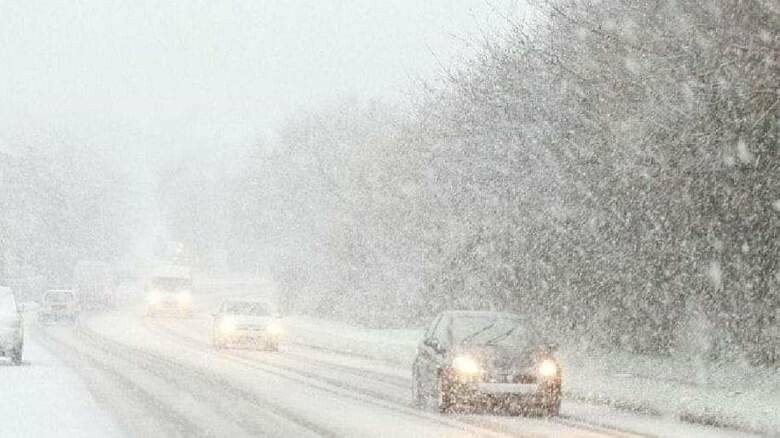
point(442, 394)
point(16, 356)
point(553, 409)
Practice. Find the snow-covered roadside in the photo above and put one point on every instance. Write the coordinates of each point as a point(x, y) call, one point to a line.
point(745, 399)
point(397, 347)
point(45, 398)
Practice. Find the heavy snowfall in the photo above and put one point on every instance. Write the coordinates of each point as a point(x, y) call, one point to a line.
point(530, 218)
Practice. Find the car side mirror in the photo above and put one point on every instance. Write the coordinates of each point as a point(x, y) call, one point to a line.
point(433, 343)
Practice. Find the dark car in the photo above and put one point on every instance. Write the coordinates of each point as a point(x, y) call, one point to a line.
point(485, 359)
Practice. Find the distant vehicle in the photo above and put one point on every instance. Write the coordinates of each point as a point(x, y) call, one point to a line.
point(59, 305)
point(11, 327)
point(94, 285)
point(246, 323)
point(169, 291)
point(485, 359)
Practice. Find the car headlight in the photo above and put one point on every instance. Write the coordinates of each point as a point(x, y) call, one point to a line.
point(154, 297)
point(275, 328)
point(466, 365)
point(227, 325)
point(184, 297)
point(548, 368)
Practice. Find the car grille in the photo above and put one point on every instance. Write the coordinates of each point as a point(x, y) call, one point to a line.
point(524, 378)
point(502, 377)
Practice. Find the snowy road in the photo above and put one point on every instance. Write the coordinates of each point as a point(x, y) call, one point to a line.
point(161, 377)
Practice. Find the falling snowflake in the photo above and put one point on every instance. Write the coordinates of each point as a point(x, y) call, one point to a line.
point(716, 274)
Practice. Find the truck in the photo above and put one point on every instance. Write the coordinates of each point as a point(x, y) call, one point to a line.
point(94, 285)
point(169, 291)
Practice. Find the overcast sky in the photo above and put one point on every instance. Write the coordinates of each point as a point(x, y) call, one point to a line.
point(149, 75)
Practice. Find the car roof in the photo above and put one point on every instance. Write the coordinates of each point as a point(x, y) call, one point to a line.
point(247, 301)
point(180, 272)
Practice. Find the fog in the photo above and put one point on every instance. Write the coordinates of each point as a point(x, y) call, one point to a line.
point(402, 218)
point(152, 79)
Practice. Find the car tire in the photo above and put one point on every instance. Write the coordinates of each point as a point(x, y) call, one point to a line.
point(16, 356)
point(553, 409)
point(442, 394)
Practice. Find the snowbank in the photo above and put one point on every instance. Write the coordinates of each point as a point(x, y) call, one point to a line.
point(397, 347)
point(723, 396)
point(44, 398)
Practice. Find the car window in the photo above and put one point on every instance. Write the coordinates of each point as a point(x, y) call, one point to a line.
point(246, 308)
point(59, 297)
point(483, 329)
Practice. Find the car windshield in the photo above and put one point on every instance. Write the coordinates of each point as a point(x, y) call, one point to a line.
point(484, 329)
point(59, 297)
point(245, 308)
point(171, 284)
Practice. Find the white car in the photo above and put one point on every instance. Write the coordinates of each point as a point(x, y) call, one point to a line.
point(59, 305)
point(11, 327)
point(246, 323)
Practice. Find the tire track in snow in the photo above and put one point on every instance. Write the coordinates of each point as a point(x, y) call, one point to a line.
point(333, 386)
point(164, 417)
point(398, 404)
point(187, 374)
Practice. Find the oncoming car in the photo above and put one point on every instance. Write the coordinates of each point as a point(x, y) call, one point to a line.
point(485, 359)
point(246, 323)
point(58, 305)
point(169, 291)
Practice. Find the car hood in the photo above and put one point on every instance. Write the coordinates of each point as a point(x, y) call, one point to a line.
point(253, 321)
point(499, 357)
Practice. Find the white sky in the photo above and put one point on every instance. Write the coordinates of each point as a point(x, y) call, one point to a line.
point(151, 75)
